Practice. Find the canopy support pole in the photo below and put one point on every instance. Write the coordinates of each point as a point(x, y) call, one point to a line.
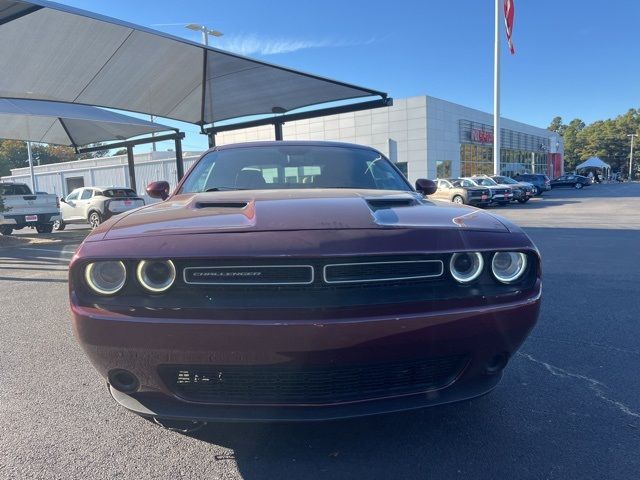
point(212, 139)
point(278, 130)
point(132, 168)
point(179, 161)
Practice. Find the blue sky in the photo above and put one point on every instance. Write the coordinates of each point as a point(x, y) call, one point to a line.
point(573, 58)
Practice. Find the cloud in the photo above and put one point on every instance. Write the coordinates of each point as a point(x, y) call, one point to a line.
point(254, 44)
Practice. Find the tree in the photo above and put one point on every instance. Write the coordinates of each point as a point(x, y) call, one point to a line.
point(606, 139)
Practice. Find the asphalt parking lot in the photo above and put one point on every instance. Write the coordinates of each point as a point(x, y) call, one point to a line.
point(568, 405)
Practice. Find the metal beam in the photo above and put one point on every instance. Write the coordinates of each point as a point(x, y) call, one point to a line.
point(133, 143)
point(179, 161)
point(281, 119)
point(132, 168)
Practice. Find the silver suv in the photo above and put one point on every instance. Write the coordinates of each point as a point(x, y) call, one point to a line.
point(94, 205)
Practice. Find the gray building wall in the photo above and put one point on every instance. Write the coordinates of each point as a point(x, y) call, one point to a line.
point(418, 130)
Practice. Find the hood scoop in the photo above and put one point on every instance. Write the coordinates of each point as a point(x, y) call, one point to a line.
point(385, 203)
point(237, 205)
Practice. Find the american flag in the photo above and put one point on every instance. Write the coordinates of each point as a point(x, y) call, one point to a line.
point(509, 12)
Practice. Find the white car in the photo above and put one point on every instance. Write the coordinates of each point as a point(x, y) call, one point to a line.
point(94, 205)
point(24, 209)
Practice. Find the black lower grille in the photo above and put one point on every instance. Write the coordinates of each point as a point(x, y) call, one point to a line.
point(309, 384)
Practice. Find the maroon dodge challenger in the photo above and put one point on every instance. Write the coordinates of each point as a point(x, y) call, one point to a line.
point(300, 281)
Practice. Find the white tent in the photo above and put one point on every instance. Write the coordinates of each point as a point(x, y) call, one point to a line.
point(593, 162)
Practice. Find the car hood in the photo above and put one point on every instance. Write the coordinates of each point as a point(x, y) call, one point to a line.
point(281, 210)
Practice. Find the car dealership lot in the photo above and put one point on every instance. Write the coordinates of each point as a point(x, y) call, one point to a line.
point(567, 406)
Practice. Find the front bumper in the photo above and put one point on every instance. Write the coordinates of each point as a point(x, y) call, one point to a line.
point(21, 221)
point(143, 345)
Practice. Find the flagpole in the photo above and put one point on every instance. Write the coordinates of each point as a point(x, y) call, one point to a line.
point(496, 93)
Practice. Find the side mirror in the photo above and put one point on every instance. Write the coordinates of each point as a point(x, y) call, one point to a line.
point(158, 190)
point(426, 187)
point(63, 200)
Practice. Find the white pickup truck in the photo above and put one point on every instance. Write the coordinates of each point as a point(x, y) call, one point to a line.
point(24, 209)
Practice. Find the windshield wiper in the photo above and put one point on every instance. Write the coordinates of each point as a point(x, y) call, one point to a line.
point(220, 189)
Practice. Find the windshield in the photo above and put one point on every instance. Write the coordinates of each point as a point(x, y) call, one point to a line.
point(293, 166)
point(119, 192)
point(485, 182)
point(506, 180)
point(14, 189)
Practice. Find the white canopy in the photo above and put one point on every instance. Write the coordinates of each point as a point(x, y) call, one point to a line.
point(67, 124)
point(55, 52)
point(593, 162)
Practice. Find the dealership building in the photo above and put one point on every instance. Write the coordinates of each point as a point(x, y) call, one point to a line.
point(428, 138)
point(425, 136)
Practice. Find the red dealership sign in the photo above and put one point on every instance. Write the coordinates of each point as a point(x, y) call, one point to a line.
point(481, 136)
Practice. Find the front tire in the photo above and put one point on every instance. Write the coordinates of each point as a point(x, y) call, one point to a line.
point(536, 191)
point(578, 186)
point(458, 199)
point(44, 228)
point(59, 225)
point(523, 200)
point(4, 230)
point(94, 219)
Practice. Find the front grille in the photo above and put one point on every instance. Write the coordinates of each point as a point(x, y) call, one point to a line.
point(250, 275)
point(301, 385)
point(382, 271)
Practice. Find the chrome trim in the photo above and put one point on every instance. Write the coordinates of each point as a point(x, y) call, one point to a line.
point(324, 271)
point(310, 267)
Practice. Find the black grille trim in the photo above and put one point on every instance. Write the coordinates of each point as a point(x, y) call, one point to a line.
point(309, 385)
point(360, 275)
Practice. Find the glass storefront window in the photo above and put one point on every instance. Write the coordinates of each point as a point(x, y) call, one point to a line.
point(478, 160)
point(402, 166)
point(443, 169)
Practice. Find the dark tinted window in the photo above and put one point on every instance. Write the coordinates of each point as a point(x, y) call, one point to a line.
point(9, 189)
point(293, 166)
point(119, 193)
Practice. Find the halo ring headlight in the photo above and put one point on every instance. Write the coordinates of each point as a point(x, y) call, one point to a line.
point(156, 276)
point(508, 267)
point(106, 277)
point(465, 267)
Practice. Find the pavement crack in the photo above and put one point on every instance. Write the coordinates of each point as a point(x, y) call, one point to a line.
point(595, 385)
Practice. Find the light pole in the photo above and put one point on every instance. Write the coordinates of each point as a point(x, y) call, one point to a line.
point(206, 31)
point(632, 135)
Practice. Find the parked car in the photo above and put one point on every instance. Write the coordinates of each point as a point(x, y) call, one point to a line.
point(24, 209)
point(300, 281)
point(500, 194)
point(461, 192)
point(540, 182)
point(522, 191)
point(571, 180)
point(94, 205)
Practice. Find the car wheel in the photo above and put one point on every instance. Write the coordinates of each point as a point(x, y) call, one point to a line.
point(94, 219)
point(59, 225)
point(458, 199)
point(4, 230)
point(523, 200)
point(536, 190)
point(578, 185)
point(44, 228)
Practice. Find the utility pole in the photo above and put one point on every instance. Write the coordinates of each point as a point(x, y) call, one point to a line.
point(496, 92)
point(33, 175)
point(205, 31)
point(153, 134)
point(632, 135)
